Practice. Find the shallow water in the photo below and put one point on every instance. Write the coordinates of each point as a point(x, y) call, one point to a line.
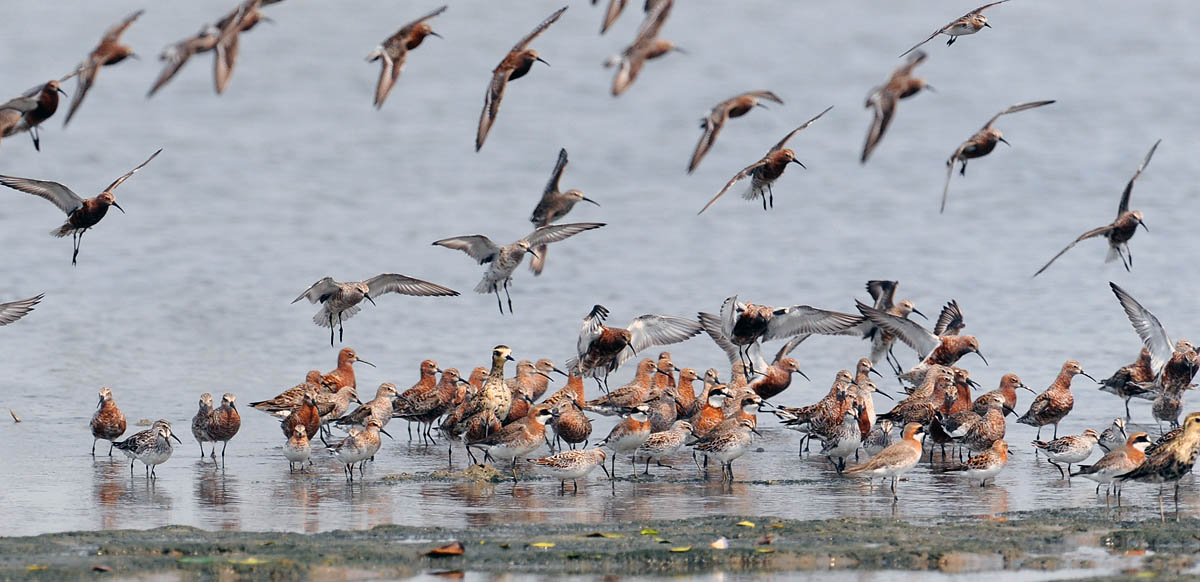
point(291, 175)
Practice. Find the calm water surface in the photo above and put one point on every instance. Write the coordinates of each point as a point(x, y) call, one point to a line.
point(291, 176)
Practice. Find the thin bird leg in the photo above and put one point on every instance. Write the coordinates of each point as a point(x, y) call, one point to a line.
point(340, 327)
point(110, 448)
point(963, 170)
point(331, 329)
point(498, 303)
point(507, 296)
point(94, 447)
point(33, 133)
point(771, 191)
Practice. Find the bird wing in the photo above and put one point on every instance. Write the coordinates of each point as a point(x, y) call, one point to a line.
point(1148, 328)
point(403, 33)
point(652, 24)
point(556, 232)
point(950, 171)
point(712, 126)
point(491, 104)
point(950, 321)
point(883, 292)
point(59, 195)
point(730, 309)
point(611, 13)
point(711, 324)
point(388, 73)
point(1098, 231)
point(226, 51)
point(320, 291)
point(1124, 206)
point(984, 7)
point(405, 285)
point(909, 332)
point(660, 330)
point(118, 181)
point(115, 31)
point(739, 176)
point(14, 310)
point(906, 69)
point(524, 42)
point(796, 319)
point(1016, 108)
point(481, 248)
point(630, 66)
point(769, 96)
point(789, 346)
point(556, 175)
point(22, 104)
point(177, 55)
point(593, 326)
point(915, 46)
point(785, 139)
point(884, 103)
point(86, 76)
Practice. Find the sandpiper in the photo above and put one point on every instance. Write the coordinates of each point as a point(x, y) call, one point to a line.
point(425, 406)
point(110, 51)
point(494, 396)
point(307, 415)
point(1121, 230)
point(969, 23)
point(662, 444)
point(14, 310)
point(553, 205)
point(639, 391)
point(1070, 449)
point(1117, 461)
point(879, 438)
point(884, 293)
point(646, 46)
point(1007, 392)
point(334, 406)
point(943, 350)
point(223, 424)
point(297, 448)
point(898, 458)
point(393, 51)
point(27, 112)
point(728, 445)
point(515, 65)
point(614, 9)
point(844, 440)
point(571, 465)
point(601, 349)
point(1174, 363)
point(747, 323)
point(981, 144)
point(571, 425)
point(1169, 461)
point(770, 379)
point(283, 404)
point(1052, 405)
point(516, 439)
point(985, 465)
point(357, 447)
point(340, 300)
point(732, 107)
point(418, 396)
point(378, 408)
point(108, 422)
point(628, 435)
point(990, 428)
point(883, 100)
point(82, 214)
point(151, 446)
point(1126, 381)
point(505, 259)
point(201, 421)
point(711, 412)
point(826, 412)
point(1114, 437)
point(343, 375)
point(225, 49)
point(765, 171)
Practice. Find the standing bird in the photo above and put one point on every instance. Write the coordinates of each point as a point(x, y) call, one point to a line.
point(732, 107)
point(981, 144)
point(14, 310)
point(224, 424)
point(901, 85)
point(505, 259)
point(1121, 230)
point(1168, 461)
point(1051, 406)
point(307, 415)
point(201, 420)
point(151, 446)
point(287, 401)
point(358, 446)
point(600, 349)
point(770, 379)
point(895, 460)
point(27, 112)
point(571, 465)
point(493, 397)
point(764, 172)
point(515, 65)
point(1125, 382)
point(1007, 391)
point(1070, 449)
point(110, 51)
point(985, 465)
point(393, 51)
point(82, 214)
point(1173, 364)
point(297, 448)
point(108, 422)
point(933, 349)
point(1119, 460)
point(553, 206)
point(646, 46)
point(341, 300)
point(969, 23)
point(746, 324)
point(1114, 437)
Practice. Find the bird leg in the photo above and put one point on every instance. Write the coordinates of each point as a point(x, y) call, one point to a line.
point(1059, 467)
point(951, 41)
point(110, 447)
point(33, 133)
point(498, 303)
point(94, 447)
point(340, 327)
point(772, 194)
point(330, 329)
point(507, 296)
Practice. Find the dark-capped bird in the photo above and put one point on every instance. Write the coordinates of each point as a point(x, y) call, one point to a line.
point(732, 107)
point(393, 51)
point(110, 51)
point(981, 144)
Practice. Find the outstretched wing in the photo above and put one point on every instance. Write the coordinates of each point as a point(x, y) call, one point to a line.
point(712, 126)
point(950, 321)
point(712, 326)
point(556, 175)
point(950, 172)
point(1016, 108)
point(1124, 206)
point(769, 96)
point(593, 326)
point(556, 232)
point(389, 71)
point(403, 33)
point(739, 176)
point(118, 181)
point(883, 292)
point(653, 23)
point(1099, 231)
point(1148, 328)
point(320, 291)
point(909, 332)
point(884, 103)
point(405, 285)
point(611, 13)
point(984, 7)
point(789, 346)
point(59, 195)
point(660, 330)
point(14, 310)
point(491, 105)
point(915, 46)
point(785, 139)
point(479, 247)
point(524, 42)
point(789, 321)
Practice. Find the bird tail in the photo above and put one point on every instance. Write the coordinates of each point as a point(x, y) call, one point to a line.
point(539, 260)
point(485, 286)
point(1113, 254)
point(322, 316)
point(1027, 419)
point(1041, 444)
point(1083, 470)
point(63, 230)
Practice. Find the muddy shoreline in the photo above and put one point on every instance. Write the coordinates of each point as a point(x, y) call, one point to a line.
point(1047, 540)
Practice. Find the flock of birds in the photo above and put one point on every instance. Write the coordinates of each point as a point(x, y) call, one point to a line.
point(664, 408)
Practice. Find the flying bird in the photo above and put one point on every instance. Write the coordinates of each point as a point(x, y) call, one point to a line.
point(747, 324)
point(340, 300)
point(27, 112)
point(110, 51)
point(393, 51)
point(1121, 230)
point(764, 172)
point(14, 310)
point(901, 85)
point(515, 65)
point(732, 107)
point(553, 206)
point(601, 349)
point(220, 37)
point(969, 23)
point(981, 144)
point(646, 46)
point(505, 259)
point(82, 213)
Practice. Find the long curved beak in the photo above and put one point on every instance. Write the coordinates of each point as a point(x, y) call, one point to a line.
point(432, 33)
point(119, 207)
point(797, 162)
point(755, 431)
point(1031, 390)
point(885, 394)
point(972, 383)
point(535, 255)
point(1082, 373)
point(64, 94)
point(876, 372)
point(560, 372)
point(543, 374)
point(586, 199)
point(540, 59)
point(1004, 141)
point(176, 438)
point(367, 296)
point(357, 401)
point(388, 435)
point(798, 371)
point(985, 362)
point(1008, 409)
point(461, 381)
point(662, 372)
point(918, 312)
point(360, 360)
point(1142, 223)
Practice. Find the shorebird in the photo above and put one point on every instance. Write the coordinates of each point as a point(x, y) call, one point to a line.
point(334, 406)
point(515, 65)
point(152, 446)
point(1051, 406)
point(287, 401)
point(901, 85)
point(879, 438)
point(358, 446)
point(82, 214)
point(943, 350)
point(522, 388)
point(378, 408)
point(732, 107)
point(201, 420)
point(601, 349)
point(981, 144)
point(770, 379)
point(1007, 392)
point(425, 406)
point(505, 259)
point(343, 375)
point(897, 459)
point(221, 37)
point(341, 300)
point(297, 448)
point(553, 206)
point(14, 310)
point(1114, 437)
point(418, 397)
point(27, 112)
point(223, 424)
point(663, 444)
point(1174, 364)
point(1126, 381)
point(494, 396)
point(110, 51)
point(1070, 449)
point(727, 445)
point(393, 51)
point(765, 171)
point(307, 415)
point(628, 435)
point(1117, 461)
point(1121, 230)
point(884, 295)
point(177, 54)
point(843, 440)
point(969, 23)
point(712, 411)
point(108, 422)
point(747, 323)
point(571, 465)
point(646, 46)
point(985, 465)
point(516, 439)
point(640, 390)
